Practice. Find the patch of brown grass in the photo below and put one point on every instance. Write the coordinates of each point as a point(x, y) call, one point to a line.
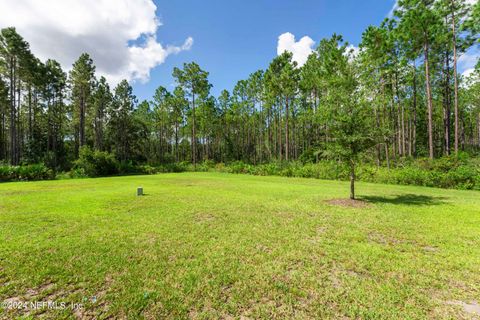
point(348, 203)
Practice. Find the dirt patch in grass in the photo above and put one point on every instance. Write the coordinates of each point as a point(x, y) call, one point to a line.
point(97, 304)
point(384, 239)
point(263, 248)
point(348, 203)
point(286, 216)
point(336, 282)
point(472, 308)
point(49, 292)
point(99, 307)
point(30, 295)
point(318, 236)
point(205, 218)
point(430, 249)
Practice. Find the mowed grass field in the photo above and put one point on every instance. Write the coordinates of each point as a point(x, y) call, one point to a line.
point(210, 245)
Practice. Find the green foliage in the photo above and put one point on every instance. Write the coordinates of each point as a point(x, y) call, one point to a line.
point(323, 170)
point(192, 79)
point(125, 130)
point(205, 166)
point(447, 172)
point(356, 106)
point(82, 81)
point(95, 163)
point(26, 173)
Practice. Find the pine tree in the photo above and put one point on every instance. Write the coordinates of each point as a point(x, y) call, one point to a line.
point(82, 81)
point(281, 78)
point(102, 99)
point(194, 82)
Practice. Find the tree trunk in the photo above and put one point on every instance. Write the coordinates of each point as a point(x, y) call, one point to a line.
point(478, 130)
point(270, 134)
point(352, 180)
point(377, 122)
point(410, 136)
point(29, 113)
point(287, 147)
point(454, 39)
point(400, 120)
point(12, 113)
point(414, 133)
point(2, 135)
point(99, 129)
point(82, 119)
point(394, 121)
point(194, 144)
point(384, 122)
point(18, 131)
point(279, 135)
point(176, 141)
point(404, 152)
point(54, 135)
point(446, 103)
point(429, 101)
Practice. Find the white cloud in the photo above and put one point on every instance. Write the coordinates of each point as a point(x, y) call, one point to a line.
point(118, 34)
point(300, 50)
point(468, 60)
point(143, 59)
point(468, 72)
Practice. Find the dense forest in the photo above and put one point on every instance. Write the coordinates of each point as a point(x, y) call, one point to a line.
point(399, 95)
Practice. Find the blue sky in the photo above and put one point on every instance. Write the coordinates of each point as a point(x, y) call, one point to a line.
point(234, 38)
point(143, 40)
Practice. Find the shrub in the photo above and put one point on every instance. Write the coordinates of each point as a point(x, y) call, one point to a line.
point(147, 169)
point(462, 177)
point(96, 163)
point(78, 173)
point(179, 167)
point(205, 166)
point(26, 173)
point(7, 173)
point(239, 167)
point(127, 167)
point(447, 172)
point(220, 167)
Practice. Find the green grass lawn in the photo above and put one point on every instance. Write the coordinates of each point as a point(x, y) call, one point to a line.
point(210, 245)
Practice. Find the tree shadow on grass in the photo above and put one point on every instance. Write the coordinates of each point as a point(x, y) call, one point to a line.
point(406, 199)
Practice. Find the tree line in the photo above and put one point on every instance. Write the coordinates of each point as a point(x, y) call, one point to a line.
point(400, 95)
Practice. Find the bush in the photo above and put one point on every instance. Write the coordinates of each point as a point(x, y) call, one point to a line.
point(178, 167)
point(447, 172)
point(95, 163)
point(239, 167)
point(26, 173)
point(146, 169)
point(463, 177)
point(205, 166)
point(127, 167)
